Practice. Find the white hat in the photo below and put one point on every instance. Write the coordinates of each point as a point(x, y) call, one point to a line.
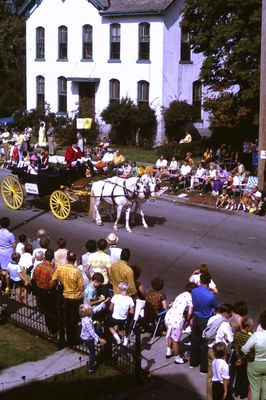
point(112, 238)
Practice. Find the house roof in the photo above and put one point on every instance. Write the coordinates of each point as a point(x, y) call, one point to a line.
point(114, 7)
point(120, 7)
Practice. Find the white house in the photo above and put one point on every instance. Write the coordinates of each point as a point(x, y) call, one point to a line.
point(102, 50)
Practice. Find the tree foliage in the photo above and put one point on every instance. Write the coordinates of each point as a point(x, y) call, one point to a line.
point(12, 57)
point(227, 32)
point(176, 118)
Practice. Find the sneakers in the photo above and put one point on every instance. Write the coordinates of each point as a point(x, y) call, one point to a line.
point(179, 360)
point(169, 353)
point(125, 341)
point(187, 330)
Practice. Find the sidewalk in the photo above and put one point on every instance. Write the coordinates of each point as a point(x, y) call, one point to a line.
point(167, 378)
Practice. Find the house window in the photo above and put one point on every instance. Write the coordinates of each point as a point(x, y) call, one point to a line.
point(143, 92)
point(40, 92)
point(40, 49)
point(144, 41)
point(62, 94)
point(62, 43)
point(197, 100)
point(87, 42)
point(185, 55)
point(114, 90)
point(115, 42)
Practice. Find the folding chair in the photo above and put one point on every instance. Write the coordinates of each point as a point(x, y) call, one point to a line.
point(159, 319)
point(247, 187)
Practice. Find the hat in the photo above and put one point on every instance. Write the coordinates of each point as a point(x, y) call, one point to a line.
point(112, 238)
point(34, 157)
point(109, 149)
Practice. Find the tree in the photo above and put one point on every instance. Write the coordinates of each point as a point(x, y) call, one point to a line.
point(12, 57)
point(122, 116)
point(176, 118)
point(228, 35)
point(146, 124)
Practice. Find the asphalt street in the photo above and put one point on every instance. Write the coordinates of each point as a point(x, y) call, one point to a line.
point(178, 239)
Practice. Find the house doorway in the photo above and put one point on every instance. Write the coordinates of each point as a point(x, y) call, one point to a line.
point(87, 99)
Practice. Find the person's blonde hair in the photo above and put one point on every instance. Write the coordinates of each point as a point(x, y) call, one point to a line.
point(83, 310)
point(123, 287)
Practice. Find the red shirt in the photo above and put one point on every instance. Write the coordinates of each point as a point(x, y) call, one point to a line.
point(42, 274)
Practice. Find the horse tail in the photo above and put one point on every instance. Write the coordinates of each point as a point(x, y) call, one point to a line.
point(92, 203)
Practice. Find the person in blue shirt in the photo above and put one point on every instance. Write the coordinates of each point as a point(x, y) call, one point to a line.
point(204, 304)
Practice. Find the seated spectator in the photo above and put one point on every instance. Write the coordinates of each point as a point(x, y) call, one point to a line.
point(239, 169)
point(134, 168)
point(161, 163)
point(189, 159)
point(44, 162)
point(60, 255)
point(121, 307)
point(33, 167)
point(172, 169)
point(72, 155)
point(195, 277)
point(104, 144)
point(250, 200)
point(125, 170)
point(210, 176)
point(222, 200)
point(106, 163)
point(220, 180)
point(118, 161)
point(187, 138)
point(198, 177)
point(207, 157)
point(181, 176)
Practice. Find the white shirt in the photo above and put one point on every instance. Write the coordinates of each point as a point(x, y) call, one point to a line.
point(122, 304)
point(20, 248)
point(185, 170)
point(224, 333)
point(200, 173)
point(108, 157)
point(25, 260)
point(115, 253)
point(173, 165)
point(14, 270)
point(220, 370)
point(161, 163)
point(195, 278)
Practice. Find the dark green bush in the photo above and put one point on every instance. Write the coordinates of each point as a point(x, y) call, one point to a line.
point(197, 149)
point(176, 118)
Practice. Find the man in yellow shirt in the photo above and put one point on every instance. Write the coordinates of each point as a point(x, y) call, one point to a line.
point(118, 161)
point(70, 277)
point(121, 272)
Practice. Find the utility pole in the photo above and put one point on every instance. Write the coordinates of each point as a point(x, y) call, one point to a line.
point(262, 123)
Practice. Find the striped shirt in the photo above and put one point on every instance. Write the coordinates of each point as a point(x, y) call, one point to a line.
point(71, 279)
point(99, 262)
point(241, 337)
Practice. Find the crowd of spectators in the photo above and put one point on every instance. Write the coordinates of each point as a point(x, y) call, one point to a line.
point(99, 289)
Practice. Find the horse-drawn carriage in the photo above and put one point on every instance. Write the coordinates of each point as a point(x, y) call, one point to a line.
point(63, 188)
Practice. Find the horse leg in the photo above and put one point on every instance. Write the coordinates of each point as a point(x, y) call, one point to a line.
point(142, 217)
point(97, 214)
point(127, 218)
point(118, 215)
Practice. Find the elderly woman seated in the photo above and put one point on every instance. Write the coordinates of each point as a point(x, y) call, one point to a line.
point(182, 177)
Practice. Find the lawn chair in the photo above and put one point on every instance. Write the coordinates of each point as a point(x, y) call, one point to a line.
point(247, 187)
point(159, 320)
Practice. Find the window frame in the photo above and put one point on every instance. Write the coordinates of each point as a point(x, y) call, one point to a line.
point(87, 44)
point(62, 44)
point(62, 94)
point(114, 90)
point(143, 98)
point(185, 46)
point(40, 43)
point(144, 42)
point(197, 100)
point(115, 41)
point(40, 92)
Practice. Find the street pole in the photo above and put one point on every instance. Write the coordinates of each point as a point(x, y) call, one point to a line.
point(262, 120)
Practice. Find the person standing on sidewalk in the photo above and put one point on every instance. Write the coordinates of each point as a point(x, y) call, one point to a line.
point(204, 303)
point(70, 277)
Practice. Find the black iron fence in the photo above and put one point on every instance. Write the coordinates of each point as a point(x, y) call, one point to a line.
point(29, 317)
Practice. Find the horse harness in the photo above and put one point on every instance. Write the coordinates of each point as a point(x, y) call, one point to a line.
point(129, 194)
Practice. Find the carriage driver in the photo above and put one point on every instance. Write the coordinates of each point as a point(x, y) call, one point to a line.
point(73, 155)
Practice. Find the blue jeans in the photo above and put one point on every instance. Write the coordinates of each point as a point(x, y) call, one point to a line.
point(91, 347)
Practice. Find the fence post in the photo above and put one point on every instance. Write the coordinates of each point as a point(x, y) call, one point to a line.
point(138, 374)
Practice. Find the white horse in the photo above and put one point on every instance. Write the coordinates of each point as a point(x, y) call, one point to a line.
point(118, 192)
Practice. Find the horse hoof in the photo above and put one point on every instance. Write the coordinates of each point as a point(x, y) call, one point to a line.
point(115, 228)
point(145, 226)
point(129, 230)
point(99, 223)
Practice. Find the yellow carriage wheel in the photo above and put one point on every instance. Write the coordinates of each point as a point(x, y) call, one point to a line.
point(60, 204)
point(12, 192)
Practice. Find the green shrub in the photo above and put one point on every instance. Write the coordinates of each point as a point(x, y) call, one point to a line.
point(197, 149)
point(176, 118)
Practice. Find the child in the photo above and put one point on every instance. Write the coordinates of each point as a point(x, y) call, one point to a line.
point(90, 292)
point(220, 371)
point(222, 199)
point(60, 255)
point(88, 334)
point(21, 243)
point(121, 306)
point(241, 337)
point(17, 280)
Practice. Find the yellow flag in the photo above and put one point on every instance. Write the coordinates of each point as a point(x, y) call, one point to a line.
point(87, 123)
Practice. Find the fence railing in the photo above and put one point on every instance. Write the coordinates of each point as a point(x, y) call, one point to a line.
point(29, 317)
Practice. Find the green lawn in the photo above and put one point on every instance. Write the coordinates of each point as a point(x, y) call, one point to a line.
point(139, 154)
point(18, 346)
